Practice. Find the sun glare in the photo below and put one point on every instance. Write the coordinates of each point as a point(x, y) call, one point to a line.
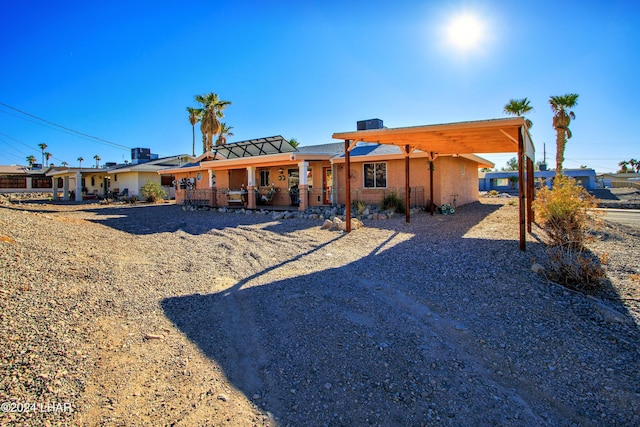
point(465, 32)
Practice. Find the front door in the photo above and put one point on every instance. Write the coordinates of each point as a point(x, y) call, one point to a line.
point(327, 185)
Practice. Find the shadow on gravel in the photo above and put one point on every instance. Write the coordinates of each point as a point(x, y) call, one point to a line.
point(168, 218)
point(449, 334)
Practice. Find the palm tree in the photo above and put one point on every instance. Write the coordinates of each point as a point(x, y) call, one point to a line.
point(194, 117)
point(624, 166)
point(47, 156)
point(210, 113)
point(43, 147)
point(224, 132)
point(294, 142)
point(64, 164)
point(80, 159)
point(31, 159)
point(519, 107)
point(97, 159)
point(562, 116)
point(635, 165)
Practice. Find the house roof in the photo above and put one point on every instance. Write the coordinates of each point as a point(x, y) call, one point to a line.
point(150, 166)
point(13, 170)
point(21, 170)
point(330, 148)
point(483, 136)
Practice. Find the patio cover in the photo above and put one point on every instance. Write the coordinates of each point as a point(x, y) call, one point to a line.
point(509, 135)
point(253, 147)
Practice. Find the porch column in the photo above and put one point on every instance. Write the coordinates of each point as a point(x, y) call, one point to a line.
point(78, 186)
point(521, 190)
point(431, 166)
point(407, 187)
point(347, 184)
point(212, 184)
point(29, 182)
point(54, 187)
point(65, 187)
point(303, 185)
point(251, 187)
point(530, 193)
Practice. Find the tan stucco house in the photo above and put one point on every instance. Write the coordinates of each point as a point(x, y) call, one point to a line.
point(270, 171)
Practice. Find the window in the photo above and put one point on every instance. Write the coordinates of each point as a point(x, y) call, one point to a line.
point(93, 181)
point(115, 177)
point(264, 178)
point(375, 175)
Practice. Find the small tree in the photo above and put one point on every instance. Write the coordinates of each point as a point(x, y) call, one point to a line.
point(512, 165)
point(153, 191)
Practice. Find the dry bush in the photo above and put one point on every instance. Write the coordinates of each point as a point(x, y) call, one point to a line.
point(564, 216)
point(576, 268)
point(563, 213)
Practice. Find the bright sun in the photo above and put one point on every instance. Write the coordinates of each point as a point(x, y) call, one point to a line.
point(465, 31)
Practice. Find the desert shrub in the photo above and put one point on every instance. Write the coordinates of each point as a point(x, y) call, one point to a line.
point(492, 193)
point(563, 214)
point(576, 268)
point(359, 206)
point(393, 202)
point(152, 191)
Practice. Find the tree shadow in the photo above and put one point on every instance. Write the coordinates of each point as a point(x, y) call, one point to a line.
point(408, 334)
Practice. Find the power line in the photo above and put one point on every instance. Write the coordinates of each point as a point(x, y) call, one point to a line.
point(26, 145)
point(114, 144)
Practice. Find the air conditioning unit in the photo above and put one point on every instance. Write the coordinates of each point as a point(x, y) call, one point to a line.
point(369, 124)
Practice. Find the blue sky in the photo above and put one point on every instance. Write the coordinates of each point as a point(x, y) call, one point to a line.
point(124, 71)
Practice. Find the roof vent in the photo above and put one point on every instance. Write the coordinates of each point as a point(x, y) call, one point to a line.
point(369, 124)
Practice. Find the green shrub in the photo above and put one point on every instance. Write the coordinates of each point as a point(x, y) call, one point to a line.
point(153, 191)
point(359, 206)
point(393, 202)
point(563, 214)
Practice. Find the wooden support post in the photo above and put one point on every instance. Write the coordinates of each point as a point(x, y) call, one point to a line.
point(431, 160)
point(347, 185)
point(530, 194)
point(407, 187)
point(521, 191)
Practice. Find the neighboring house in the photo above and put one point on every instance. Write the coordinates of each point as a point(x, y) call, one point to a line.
point(92, 183)
point(79, 183)
point(506, 181)
point(131, 177)
point(617, 180)
point(270, 171)
point(22, 179)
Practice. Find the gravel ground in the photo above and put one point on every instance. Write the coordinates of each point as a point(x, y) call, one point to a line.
point(149, 315)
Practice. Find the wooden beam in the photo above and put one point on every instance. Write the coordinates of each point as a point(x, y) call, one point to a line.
point(521, 192)
point(347, 185)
